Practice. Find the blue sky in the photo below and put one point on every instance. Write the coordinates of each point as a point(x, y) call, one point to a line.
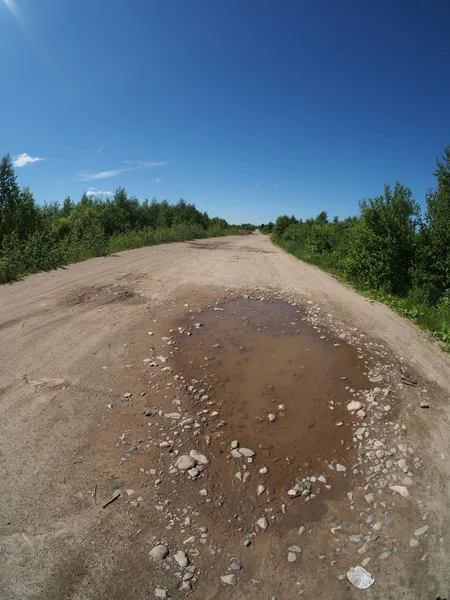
point(248, 108)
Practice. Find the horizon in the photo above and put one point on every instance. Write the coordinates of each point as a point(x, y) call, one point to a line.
point(248, 112)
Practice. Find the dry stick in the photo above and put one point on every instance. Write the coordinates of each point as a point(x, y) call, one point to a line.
point(115, 496)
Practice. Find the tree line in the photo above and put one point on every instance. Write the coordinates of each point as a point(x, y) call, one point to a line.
point(391, 249)
point(35, 238)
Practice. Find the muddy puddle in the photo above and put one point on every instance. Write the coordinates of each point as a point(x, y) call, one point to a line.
point(262, 376)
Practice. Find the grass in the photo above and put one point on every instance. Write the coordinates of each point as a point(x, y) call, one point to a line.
point(43, 255)
point(433, 319)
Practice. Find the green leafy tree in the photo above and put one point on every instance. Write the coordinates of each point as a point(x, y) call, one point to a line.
point(9, 198)
point(432, 270)
point(381, 247)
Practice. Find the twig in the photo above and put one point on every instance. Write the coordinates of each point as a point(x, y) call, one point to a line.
point(115, 496)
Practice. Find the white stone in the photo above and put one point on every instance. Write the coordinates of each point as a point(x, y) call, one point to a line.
point(354, 405)
point(421, 531)
point(246, 452)
point(271, 417)
point(185, 462)
point(262, 523)
point(234, 444)
point(229, 579)
point(400, 489)
point(260, 489)
point(292, 557)
point(200, 458)
point(174, 415)
point(203, 492)
point(236, 454)
point(181, 558)
point(160, 593)
point(340, 467)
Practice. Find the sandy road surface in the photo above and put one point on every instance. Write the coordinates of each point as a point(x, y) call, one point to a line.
point(68, 340)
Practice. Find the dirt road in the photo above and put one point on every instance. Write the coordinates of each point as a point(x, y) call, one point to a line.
point(79, 369)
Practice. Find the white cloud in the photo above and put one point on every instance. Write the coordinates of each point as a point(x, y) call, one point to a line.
point(93, 192)
point(157, 180)
point(86, 176)
point(25, 159)
point(100, 148)
point(134, 165)
point(276, 187)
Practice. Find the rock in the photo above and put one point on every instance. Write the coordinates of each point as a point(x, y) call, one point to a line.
point(234, 444)
point(301, 530)
point(188, 421)
point(400, 489)
point(281, 407)
point(340, 467)
point(185, 462)
point(246, 452)
point(190, 540)
point(159, 552)
point(200, 458)
point(292, 557)
point(160, 593)
point(413, 542)
point(150, 412)
point(203, 492)
point(235, 565)
point(229, 579)
point(376, 379)
point(174, 415)
point(271, 417)
point(360, 578)
point(295, 549)
point(355, 539)
point(129, 492)
point(421, 531)
point(424, 404)
point(181, 559)
point(236, 454)
point(361, 414)
point(263, 470)
point(247, 543)
point(193, 472)
point(260, 489)
point(369, 498)
point(262, 523)
point(294, 492)
point(354, 405)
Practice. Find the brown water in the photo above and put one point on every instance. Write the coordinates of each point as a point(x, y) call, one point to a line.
point(254, 356)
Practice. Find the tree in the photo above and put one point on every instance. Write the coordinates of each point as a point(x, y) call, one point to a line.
point(381, 246)
point(9, 198)
point(432, 271)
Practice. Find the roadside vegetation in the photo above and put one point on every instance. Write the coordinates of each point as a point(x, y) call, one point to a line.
point(35, 238)
point(391, 251)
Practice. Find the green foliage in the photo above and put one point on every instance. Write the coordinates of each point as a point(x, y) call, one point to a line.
point(34, 238)
point(388, 252)
point(282, 223)
point(266, 228)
